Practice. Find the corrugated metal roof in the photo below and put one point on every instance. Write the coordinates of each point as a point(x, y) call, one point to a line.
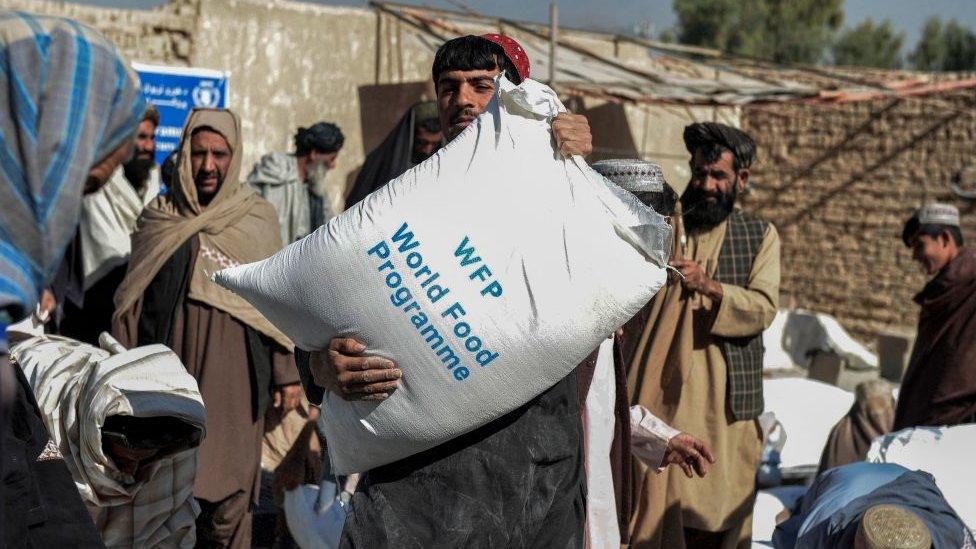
point(668, 74)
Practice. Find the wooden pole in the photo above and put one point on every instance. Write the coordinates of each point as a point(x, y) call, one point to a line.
point(553, 38)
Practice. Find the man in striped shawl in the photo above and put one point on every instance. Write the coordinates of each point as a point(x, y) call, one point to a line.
point(69, 105)
point(696, 351)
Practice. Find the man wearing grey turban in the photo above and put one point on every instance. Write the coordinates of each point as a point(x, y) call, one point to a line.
point(697, 356)
point(296, 183)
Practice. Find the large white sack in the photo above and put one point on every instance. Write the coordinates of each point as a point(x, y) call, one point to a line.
point(943, 452)
point(808, 410)
point(543, 255)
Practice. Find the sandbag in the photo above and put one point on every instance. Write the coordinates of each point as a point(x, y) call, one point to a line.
point(792, 399)
point(487, 273)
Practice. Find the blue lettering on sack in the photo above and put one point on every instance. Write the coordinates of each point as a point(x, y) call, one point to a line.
point(411, 261)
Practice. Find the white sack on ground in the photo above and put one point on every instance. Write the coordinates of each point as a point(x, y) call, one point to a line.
point(488, 272)
point(77, 386)
point(776, 357)
point(805, 332)
point(945, 453)
point(808, 410)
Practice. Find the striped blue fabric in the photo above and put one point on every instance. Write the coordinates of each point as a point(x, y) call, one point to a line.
point(68, 99)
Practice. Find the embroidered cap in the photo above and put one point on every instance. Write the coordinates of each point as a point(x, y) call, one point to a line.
point(937, 213)
point(513, 51)
point(636, 176)
point(643, 179)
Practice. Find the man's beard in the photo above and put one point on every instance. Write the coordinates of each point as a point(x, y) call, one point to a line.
point(137, 170)
point(315, 178)
point(700, 215)
point(318, 185)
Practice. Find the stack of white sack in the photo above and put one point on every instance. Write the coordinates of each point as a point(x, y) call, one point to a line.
point(487, 273)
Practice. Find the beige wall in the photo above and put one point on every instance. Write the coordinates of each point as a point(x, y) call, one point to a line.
point(289, 67)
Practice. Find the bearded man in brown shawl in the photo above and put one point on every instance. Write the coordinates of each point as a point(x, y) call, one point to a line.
point(939, 387)
point(210, 221)
point(696, 351)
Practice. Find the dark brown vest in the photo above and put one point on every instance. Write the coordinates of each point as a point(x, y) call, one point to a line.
point(743, 355)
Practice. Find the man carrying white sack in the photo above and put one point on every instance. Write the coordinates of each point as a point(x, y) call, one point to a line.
point(128, 423)
point(517, 481)
point(614, 430)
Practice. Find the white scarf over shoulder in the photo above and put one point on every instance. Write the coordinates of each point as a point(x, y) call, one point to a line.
point(77, 387)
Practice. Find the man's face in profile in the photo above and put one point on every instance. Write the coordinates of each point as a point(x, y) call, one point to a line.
point(933, 253)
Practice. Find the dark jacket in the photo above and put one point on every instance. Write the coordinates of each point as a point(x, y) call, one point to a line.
point(939, 387)
point(41, 506)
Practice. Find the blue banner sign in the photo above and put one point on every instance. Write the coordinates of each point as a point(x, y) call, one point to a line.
point(175, 91)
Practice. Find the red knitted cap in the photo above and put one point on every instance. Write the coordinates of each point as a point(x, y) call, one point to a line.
point(513, 51)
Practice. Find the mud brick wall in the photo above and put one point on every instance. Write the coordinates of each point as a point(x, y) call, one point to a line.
point(839, 182)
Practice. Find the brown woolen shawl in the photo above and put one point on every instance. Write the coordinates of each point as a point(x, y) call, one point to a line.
point(939, 387)
point(871, 416)
point(237, 227)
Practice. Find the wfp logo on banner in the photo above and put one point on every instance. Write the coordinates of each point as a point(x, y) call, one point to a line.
point(206, 95)
point(175, 91)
